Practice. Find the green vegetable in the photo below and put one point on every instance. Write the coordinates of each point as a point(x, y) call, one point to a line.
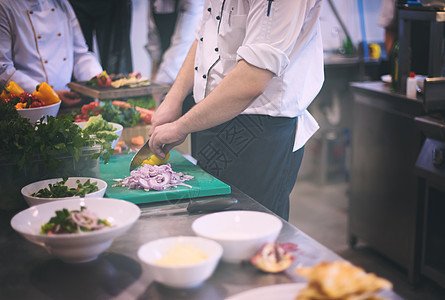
point(129, 117)
point(22, 142)
point(97, 124)
point(103, 131)
point(63, 222)
point(144, 102)
point(60, 190)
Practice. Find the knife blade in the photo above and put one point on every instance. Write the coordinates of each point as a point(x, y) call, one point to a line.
point(199, 206)
point(194, 206)
point(141, 155)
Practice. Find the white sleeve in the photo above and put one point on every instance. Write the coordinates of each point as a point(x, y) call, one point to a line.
point(270, 39)
point(386, 14)
point(189, 15)
point(7, 70)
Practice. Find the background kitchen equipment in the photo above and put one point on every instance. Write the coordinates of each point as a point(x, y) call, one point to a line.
point(434, 18)
point(430, 167)
point(433, 3)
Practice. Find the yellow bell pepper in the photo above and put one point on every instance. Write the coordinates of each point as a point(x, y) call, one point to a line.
point(45, 93)
point(153, 160)
point(11, 88)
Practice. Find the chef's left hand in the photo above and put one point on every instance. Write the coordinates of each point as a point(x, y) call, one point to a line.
point(165, 137)
point(69, 98)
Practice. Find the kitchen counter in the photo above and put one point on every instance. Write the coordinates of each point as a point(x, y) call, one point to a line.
point(29, 272)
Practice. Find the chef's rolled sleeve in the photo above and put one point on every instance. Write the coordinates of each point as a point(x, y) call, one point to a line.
point(264, 56)
point(272, 31)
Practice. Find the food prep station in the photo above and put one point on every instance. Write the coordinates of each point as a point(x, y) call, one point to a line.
point(32, 273)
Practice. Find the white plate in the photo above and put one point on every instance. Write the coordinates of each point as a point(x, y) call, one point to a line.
point(287, 291)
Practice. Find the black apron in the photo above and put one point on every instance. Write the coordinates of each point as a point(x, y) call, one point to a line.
point(165, 23)
point(110, 20)
point(254, 154)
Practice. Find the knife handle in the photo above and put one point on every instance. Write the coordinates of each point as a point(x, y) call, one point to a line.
point(212, 205)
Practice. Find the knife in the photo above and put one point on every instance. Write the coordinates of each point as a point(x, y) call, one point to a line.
point(141, 155)
point(194, 206)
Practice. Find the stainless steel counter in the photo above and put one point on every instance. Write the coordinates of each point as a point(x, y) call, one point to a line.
point(28, 272)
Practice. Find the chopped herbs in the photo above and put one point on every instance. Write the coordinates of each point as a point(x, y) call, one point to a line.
point(73, 221)
point(60, 190)
point(21, 142)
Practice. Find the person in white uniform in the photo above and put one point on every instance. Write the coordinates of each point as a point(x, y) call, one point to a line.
point(41, 41)
point(254, 69)
point(171, 27)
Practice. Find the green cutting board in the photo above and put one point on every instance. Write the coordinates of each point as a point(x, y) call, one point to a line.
point(203, 184)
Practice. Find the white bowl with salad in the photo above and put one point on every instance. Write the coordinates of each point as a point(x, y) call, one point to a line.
point(57, 189)
point(76, 230)
point(97, 126)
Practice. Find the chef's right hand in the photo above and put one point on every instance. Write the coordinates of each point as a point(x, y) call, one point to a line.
point(165, 137)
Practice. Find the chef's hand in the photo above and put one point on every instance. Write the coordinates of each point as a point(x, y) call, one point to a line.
point(165, 137)
point(69, 98)
point(168, 111)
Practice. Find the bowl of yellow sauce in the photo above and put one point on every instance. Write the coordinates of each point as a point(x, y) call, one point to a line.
point(181, 261)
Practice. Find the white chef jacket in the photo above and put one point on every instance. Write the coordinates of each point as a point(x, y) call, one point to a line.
point(41, 41)
point(386, 14)
point(189, 14)
point(282, 36)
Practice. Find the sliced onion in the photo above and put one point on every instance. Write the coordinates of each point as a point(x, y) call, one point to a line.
point(157, 178)
point(85, 218)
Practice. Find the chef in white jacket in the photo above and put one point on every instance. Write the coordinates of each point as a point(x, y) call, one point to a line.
point(171, 24)
point(254, 68)
point(41, 41)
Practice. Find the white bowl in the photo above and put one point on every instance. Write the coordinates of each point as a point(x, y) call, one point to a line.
point(31, 188)
point(184, 276)
point(77, 247)
point(35, 113)
point(119, 128)
point(240, 233)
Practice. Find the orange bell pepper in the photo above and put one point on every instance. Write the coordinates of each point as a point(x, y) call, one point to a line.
point(11, 88)
point(20, 105)
point(45, 93)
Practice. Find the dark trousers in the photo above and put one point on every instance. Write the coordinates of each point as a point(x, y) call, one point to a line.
point(254, 154)
point(110, 21)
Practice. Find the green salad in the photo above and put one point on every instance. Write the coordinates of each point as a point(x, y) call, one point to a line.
point(74, 221)
point(61, 190)
point(97, 126)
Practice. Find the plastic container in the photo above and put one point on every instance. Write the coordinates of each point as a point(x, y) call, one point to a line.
point(12, 179)
point(411, 85)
